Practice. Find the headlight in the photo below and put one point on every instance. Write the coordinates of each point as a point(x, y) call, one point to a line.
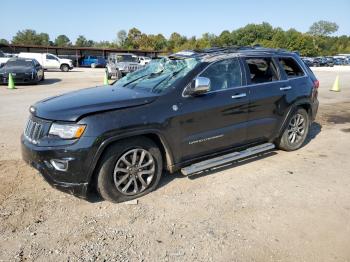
point(67, 131)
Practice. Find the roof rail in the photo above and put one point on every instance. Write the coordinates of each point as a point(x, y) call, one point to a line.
point(223, 49)
point(228, 49)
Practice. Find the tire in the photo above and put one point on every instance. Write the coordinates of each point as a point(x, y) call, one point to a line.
point(64, 68)
point(93, 65)
point(114, 177)
point(297, 127)
point(118, 74)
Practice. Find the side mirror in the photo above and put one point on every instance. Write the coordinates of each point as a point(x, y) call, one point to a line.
point(199, 86)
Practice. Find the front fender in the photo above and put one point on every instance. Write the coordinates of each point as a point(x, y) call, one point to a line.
point(128, 134)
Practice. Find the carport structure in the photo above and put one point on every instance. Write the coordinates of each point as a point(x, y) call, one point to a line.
point(74, 52)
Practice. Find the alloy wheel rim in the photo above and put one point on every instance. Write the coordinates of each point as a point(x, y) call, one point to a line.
point(134, 171)
point(296, 129)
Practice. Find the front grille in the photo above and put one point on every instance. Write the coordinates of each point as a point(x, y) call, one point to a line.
point(34, 131)
point(133, 68)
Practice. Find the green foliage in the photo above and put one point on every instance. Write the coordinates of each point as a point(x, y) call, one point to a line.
point(323, 28)
point(4, 41)
point(105, 44)
point(313, 43)
point(30, 37)
point(83, 42)
point(121, 38)
point(62, 40)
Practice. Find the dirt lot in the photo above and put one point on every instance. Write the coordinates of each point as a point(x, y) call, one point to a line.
point(276, 207)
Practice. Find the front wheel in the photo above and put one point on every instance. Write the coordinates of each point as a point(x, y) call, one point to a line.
point(295, 132)
point(129, 169)
point(64, 68)
point(118, 74)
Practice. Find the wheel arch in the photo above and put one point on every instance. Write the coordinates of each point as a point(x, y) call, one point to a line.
point(304, 103)
point(155, 136)
point(64, 64)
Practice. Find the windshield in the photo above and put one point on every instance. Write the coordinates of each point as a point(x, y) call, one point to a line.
point(158, 75)
point(19, 63)
point(127, 58)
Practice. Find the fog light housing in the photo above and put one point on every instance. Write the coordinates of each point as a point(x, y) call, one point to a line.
point(60, 164)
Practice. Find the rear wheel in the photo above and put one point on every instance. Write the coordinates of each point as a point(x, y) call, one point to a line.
point(129, 169)
point(295, 132)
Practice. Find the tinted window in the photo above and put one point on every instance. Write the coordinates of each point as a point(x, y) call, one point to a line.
point(127, 58)
point(224, 74)
point(19, 63)
point(36, 63)
point(291, 67)
point(262, 70)
point(51, 57)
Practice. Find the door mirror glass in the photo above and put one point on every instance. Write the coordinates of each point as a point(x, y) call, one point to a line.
point(199, 86)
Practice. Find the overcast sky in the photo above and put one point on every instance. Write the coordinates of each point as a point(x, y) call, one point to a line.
point(100, 20)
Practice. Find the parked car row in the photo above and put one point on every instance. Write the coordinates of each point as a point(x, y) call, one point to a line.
point(326, 60)
point(29, 67)
point(67, 62)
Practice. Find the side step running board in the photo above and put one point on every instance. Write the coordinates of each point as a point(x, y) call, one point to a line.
point(220, 160)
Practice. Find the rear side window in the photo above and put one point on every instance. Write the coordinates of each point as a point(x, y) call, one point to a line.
point(224, 74)
point(291, 67)
point(262, 70)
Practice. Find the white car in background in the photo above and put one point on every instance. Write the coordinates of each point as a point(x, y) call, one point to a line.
point(3, 58)
point(50, 61)
point(120, 64)
point(144, 60)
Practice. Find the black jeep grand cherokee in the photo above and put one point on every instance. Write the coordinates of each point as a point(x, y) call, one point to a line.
point(190, 111)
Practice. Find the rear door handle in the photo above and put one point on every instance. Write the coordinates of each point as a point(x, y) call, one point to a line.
point(239, 95)
point(285, 88)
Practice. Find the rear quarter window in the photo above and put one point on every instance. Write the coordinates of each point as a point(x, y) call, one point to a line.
point(291, 67)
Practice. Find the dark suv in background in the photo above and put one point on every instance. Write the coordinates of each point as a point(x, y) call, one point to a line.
point(191, 111)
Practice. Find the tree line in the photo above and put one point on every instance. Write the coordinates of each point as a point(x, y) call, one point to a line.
point(317, 41)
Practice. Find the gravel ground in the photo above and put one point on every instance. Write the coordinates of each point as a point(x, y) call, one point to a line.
point(274, 207)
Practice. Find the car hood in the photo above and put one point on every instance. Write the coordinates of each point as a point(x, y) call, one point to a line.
point(72, 106)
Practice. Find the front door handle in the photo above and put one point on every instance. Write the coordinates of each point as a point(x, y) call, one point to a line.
point(285, 88)
point(239, 95)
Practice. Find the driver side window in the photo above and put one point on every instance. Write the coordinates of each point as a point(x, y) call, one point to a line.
point(224, 74)
point(50, 57)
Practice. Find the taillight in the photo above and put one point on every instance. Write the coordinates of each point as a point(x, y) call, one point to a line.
point(316, 84)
